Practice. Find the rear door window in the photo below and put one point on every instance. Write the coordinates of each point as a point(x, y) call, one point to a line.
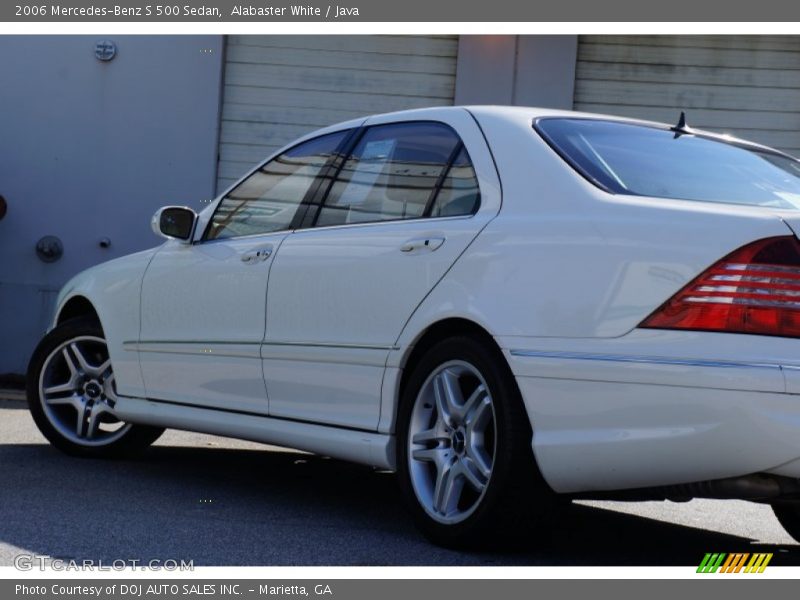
point(402, 171)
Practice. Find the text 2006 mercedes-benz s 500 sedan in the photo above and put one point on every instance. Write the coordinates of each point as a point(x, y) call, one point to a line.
point(507, 306)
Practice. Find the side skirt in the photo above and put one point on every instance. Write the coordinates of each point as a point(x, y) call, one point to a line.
point(374, 449)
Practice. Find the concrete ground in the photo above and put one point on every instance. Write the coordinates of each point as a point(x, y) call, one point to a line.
point(226, 502)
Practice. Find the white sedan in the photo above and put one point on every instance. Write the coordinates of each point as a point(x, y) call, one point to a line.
point(507, 306)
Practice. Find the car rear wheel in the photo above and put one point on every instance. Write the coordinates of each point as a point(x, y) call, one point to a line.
point(464, 457)
point(72, 394)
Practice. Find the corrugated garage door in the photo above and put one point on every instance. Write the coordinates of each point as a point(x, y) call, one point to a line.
point(745, 85)
point(280, 87)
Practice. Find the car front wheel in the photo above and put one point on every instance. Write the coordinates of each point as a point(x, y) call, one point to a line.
point(465, 462)
point(72, 394)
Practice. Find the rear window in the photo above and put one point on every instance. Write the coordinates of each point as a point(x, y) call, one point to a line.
point(648, 161)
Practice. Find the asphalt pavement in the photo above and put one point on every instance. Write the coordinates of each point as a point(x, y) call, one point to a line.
point(217, 501)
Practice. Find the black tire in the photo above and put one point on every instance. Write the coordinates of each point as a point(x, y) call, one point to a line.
point(136, 438)
point(516, 505)
point(788, 515)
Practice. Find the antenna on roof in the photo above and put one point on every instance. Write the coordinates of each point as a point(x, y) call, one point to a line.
point(682, 128)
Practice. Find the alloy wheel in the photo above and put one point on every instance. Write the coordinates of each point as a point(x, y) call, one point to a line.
point(78, 394)
point(451, 442)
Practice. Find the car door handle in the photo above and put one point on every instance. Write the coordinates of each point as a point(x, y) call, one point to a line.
point(257, 255)
point(424, 243)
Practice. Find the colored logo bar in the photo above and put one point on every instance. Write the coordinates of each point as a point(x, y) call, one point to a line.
point(736, 562)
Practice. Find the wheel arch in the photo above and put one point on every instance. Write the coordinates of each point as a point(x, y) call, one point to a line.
point(429, 337)
point(75, 307)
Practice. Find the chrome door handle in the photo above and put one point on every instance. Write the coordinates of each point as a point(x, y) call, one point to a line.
point(424, 243)
point(258, 255)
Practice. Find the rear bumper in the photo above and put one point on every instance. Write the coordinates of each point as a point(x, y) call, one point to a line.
point(659, 408)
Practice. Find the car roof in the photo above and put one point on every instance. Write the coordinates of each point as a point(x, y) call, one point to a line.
point(525, 115)
point(524, 112)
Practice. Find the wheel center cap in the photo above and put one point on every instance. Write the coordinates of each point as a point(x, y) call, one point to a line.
point(459, 441)
point(93, 389)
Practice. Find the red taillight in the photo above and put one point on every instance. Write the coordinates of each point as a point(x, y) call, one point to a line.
point(755, 289)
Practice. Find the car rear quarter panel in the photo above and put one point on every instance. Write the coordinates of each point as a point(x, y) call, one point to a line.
point(565, 259)
point(567, 268)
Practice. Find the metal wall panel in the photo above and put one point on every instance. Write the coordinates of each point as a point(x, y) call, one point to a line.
point(280, 87)
point(748, 86)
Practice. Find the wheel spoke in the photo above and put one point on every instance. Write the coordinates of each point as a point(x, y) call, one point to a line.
point(434, 434)
point(452, 393)
point(70, 364)
point(83, 415)
point(448, 489)
point(58, 389)
point(72, 399)
point(427, 454)
point(110, 390)
point(440, 394)
point(475, 474)
point(94, 421)
point(474, 404)
point(480, 459)
point(104, 369)
point(481, 415)
point(85, 366)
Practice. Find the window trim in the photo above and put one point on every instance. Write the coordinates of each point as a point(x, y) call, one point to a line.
point(308, 210)
point(389, 222)
point(716, 137)
point(437, 188)
point(301, 206)
point(310, 222)
point(333, 168)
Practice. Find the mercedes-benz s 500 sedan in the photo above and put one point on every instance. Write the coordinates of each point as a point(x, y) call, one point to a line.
point(508, 306)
